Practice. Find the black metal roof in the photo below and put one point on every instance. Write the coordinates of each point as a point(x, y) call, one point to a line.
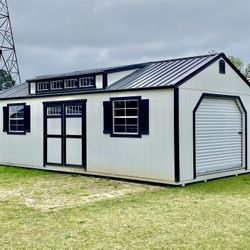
point(158, 74)
point(90, 71)
point(21, 90)
point(163, 73)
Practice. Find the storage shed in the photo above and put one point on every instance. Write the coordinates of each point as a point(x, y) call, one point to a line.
point(174, 121)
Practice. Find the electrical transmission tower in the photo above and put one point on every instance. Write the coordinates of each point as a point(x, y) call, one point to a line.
point(8, 58)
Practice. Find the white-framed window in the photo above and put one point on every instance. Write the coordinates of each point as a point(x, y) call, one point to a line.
point(54, 111)
point(42, 86)
point(16, 119)
point(57, 84)
point(70, 83)
point(74, 110)
point(126, 116)
point(87, 81)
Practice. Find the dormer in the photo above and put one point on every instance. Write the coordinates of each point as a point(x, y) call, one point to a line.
point(90, 80)
point(63, 84)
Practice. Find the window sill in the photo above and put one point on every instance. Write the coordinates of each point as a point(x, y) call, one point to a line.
point(16, 133)
point(126, 135)
point(70, 87)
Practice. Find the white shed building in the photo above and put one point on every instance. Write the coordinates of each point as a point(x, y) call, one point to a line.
point(174, 121)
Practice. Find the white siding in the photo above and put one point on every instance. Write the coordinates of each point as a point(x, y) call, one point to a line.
point(99, 81)
point(207, 81)
point(150, 157)
point(32, 88)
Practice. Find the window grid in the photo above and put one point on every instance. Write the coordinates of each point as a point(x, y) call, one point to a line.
point(86, 81)
point(41, 86)
point(16, 118)
point(56, 84)
point(70, 83)
point(74, 110)
point(54, 111)
point(125, 117)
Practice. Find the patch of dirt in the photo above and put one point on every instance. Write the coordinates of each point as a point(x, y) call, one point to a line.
point(67, 202)
point(6, 193)
point(65, 192)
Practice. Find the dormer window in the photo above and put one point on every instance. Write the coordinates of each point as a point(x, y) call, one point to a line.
point(70, 83)
point(54, 85)
point(42, 86)
point(80, 82)
point(86, 81)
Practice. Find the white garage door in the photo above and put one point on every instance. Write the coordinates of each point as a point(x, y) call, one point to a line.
point(218, 136)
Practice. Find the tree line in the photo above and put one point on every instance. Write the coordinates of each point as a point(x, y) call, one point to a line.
point(241, 65)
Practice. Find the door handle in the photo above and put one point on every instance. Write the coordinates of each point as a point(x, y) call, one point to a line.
point(240, 133)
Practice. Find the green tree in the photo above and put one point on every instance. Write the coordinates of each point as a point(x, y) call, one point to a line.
point(240, 65)
point(5, 80)
point(247, 71)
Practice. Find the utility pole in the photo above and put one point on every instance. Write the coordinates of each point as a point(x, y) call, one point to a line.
point(8, 58)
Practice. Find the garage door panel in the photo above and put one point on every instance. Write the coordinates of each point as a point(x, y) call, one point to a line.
point(220, 164)
point(218, 168)
point(218, 152)
point(217, 141)
point(227, 161)
point(219, 144)
point(221, 130)
point(231, 123)
point(218, 158)
point(218, 135)
point(224, 121)
point(217, 110)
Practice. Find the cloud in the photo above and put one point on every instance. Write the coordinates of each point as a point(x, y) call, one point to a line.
point(61, 36)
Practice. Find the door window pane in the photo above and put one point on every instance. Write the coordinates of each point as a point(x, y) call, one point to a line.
point(54, 111)
point(74, 110)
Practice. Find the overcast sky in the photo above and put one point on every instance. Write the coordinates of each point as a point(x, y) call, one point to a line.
point(56, 36)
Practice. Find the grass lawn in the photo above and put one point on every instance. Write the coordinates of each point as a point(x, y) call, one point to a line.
point(45, 210)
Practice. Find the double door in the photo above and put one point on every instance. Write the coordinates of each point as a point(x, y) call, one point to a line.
point(65, 133)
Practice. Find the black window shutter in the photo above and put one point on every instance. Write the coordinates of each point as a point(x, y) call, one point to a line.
point(27, 118)
point(5, 119)
point(107, 117)
point(144, 117)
